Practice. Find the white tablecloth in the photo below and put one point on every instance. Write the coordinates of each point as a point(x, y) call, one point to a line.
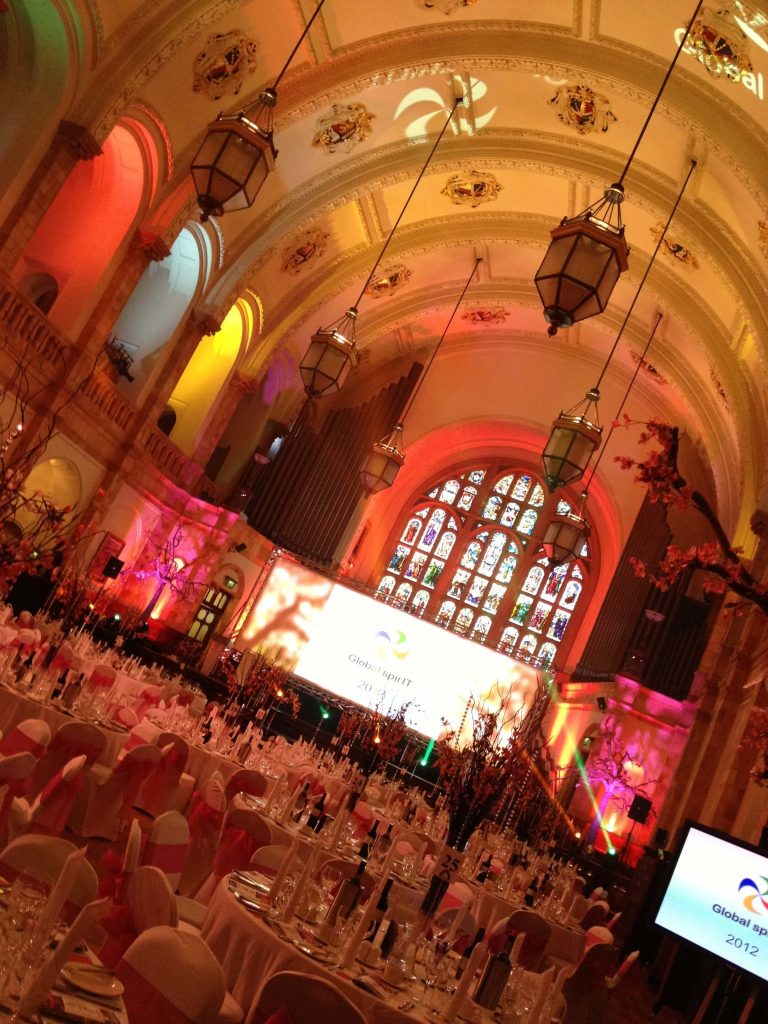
point(566, 942)
point(250, 952)
point(15, 707)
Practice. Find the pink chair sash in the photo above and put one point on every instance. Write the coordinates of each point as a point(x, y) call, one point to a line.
point(121, 931)
point(56, 802)
point(65, 656)
point(184, 700)
point(235, 851)
point(144, 1002)
point(18, 742)
point(204, 821)
point(169, 857)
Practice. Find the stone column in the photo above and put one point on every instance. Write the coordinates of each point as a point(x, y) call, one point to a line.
point(200, 324)
point(72, 142)
point(712, 775)
point(144, 248)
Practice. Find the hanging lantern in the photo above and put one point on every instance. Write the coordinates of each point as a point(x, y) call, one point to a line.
point(235, 158)
point(583, 262)
point(564, 538)
point(383, 463)
point(330, 357)
point(572, 442)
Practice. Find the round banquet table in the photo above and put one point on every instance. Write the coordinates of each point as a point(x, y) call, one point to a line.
point(15, 707)
point(250, 952)
point(566, 942)
point(203, 763)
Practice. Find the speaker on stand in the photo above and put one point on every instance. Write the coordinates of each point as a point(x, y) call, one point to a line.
point(638, 813)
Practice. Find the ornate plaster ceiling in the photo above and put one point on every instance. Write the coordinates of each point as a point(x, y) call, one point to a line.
point(533, 154)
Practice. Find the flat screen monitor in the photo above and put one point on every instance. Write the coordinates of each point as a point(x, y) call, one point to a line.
point(717, 898)
point(376, 655)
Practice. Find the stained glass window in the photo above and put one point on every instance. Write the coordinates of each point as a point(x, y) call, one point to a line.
point(481, 627)
point(444, 616)
point(492, 507)
point(533, 580)
point(436, 521)
point(472, 554)
point(485, 569)
point(464, 620)
point(527, 521)
point(563, 508)
point(468, 495)
point(411, 531)
point(432, 575)
point(449, 491)
point(521, 488)
point(511, 512)
point(445, 544)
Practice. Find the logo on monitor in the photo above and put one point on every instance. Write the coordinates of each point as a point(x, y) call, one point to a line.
point(755, 902)
point(392, 643)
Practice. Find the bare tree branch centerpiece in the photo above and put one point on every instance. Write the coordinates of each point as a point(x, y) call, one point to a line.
point(478, 764)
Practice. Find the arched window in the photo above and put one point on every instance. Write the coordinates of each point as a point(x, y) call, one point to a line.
point(467, 555)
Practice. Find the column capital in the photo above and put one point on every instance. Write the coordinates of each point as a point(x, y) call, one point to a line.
point(759, 523)
point(205, 322)
point(79, 140)
point(153, 246)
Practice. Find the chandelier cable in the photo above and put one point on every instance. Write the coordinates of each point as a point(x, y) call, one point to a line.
point(457, 103)
point(641, 360)
point(647, 271)
point(662, 87)
point(431, 359)
point(294, 51)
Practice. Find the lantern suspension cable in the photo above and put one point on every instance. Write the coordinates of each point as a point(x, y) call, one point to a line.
point(456, 103)
point(589, 252)
point(238, 154)
point(383, 462)
point(436, 349)
point(567, 533)
point(641, 360)
point(646, 272)
point(662, 87)
point(332, 353)
point(576, 432)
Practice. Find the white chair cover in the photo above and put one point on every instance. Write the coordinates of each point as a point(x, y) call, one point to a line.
point(46, 855)
point(168, 846)
point(52, 807)
point(171, 977)
point(104, 804)
point(71, 740)
point(307, 999)
point(31, 736)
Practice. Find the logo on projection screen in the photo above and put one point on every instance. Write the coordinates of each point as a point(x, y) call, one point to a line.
point(749, 901)
point(393, 644)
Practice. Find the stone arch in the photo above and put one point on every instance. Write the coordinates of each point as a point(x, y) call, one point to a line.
point(211, 366)
point(89, 222)
point(41, 289)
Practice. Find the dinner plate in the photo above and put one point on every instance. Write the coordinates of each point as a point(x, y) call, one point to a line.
point(93, 981)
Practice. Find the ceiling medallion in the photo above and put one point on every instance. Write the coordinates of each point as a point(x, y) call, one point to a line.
point(388, 281)
point(445, 6)
point(342, 129)
point(221, 68)
point(720, 44)
point(674, 249)
point(306, 246)
point(581, 108)
point(718, 385)
point(471, 188)
point(647, 367)
point(485, 316)
point(762, 237)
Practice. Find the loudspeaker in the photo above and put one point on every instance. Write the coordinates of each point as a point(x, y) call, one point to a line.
point(602, 703)
point(660, 840)
point(112, 568)
point(639, 809)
